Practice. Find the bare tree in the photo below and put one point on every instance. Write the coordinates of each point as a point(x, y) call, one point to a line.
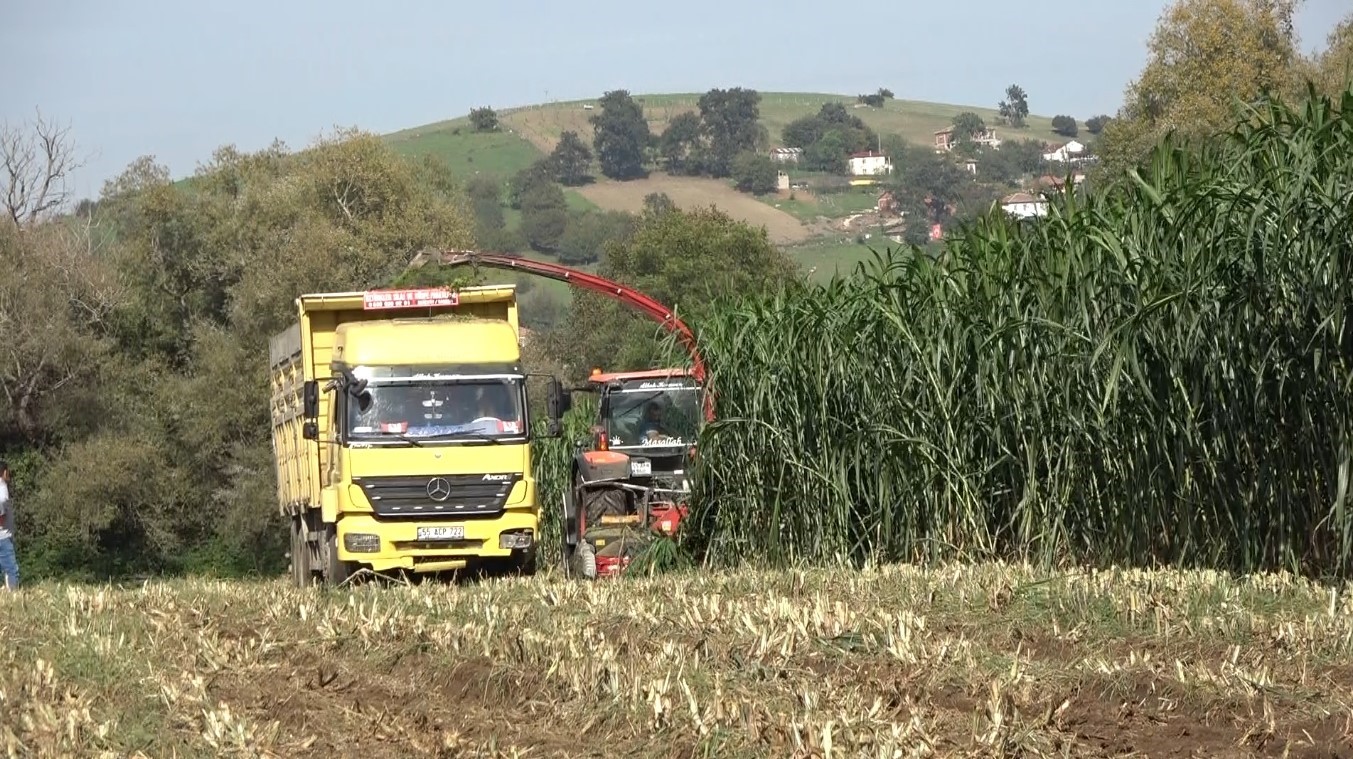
point(36, 160)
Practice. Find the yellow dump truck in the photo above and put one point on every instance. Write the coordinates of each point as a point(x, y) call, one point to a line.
point(401, 433)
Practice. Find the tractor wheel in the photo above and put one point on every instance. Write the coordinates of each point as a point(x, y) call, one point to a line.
point(584, 561)
point(606, 501)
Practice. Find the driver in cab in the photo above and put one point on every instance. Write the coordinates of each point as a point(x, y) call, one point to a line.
point(651, 428)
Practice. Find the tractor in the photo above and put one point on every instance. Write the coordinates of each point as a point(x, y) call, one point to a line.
point(629, 481)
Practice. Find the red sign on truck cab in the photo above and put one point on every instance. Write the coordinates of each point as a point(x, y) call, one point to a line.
point(423, 297)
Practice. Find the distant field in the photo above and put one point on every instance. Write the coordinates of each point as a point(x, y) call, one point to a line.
point(916, 121)
point(820, 260)
point(468, 152)
point(690, 192)
point(985, 660)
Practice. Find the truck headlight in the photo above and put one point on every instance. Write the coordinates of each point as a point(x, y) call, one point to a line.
point(515, 540)
point(361, 542)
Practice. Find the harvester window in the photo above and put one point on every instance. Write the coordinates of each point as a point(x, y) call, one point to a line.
point(654, 417)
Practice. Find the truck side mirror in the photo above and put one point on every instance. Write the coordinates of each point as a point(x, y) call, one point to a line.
point(556, 402)
point(310, 395)
point(310, 430)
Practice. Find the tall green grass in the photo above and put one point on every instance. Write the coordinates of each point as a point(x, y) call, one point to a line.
point(551, 461)
point(1158, 372)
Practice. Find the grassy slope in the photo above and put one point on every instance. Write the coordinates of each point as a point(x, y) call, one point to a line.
point(532, 130)
point(916, 121)
point(955, 661)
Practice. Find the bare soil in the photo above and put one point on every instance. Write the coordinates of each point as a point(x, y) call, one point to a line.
point(691, 192)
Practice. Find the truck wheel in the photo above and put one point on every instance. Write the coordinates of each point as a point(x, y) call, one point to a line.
point(300, 554)
point(335, 572)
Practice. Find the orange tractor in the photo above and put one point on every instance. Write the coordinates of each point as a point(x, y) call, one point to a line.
point(630, 479)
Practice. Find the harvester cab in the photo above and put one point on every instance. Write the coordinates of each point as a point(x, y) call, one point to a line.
point(630, 478)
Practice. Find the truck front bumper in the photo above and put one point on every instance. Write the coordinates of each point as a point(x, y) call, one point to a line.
point(386, 545)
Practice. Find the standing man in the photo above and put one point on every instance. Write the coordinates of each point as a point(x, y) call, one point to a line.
point(9, 565)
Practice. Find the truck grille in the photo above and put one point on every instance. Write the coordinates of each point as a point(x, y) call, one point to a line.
point(460, 495)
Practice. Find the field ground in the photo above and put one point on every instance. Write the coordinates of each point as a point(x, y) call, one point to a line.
point(822, 259)
point(690, 192)
point(983, 660)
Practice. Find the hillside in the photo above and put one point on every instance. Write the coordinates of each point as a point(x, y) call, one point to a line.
point(805, 225)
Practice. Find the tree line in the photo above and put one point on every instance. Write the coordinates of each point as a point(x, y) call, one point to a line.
point(136, 415)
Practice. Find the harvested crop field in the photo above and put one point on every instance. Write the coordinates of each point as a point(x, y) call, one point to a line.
point(982, 660)
point(690, 192)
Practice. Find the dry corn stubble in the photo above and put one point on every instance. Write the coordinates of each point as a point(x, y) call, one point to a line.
point(895, 661)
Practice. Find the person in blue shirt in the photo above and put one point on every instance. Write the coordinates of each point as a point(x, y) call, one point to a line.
point(9, 563)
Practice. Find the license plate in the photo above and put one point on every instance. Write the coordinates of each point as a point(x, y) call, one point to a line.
point(455, 532)
point(641, 467)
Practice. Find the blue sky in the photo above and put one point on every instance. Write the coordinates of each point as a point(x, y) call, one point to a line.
point(178, 79)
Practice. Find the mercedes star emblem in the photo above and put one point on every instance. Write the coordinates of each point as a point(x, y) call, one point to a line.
point(439, 489)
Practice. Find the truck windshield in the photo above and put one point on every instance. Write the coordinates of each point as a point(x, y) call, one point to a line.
point(653, 418)
point(469, 409)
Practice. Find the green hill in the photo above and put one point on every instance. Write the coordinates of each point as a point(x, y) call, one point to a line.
point(809, 228)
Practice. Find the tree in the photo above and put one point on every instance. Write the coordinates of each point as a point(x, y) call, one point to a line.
point(828, 137)
point(755, 172)
point(658, 203)
point(1203, 57)
point(1015, 108)
point(685, 259)
point(1095, 124)
point(874, 100)
point(729, 119)
point(1064, 125)
point(968, 125)
point(680, 146)
point(544, 215)
point(484, 119)
point(538, 173)
point(151, 336)
point(1332, 69)
point(588, 234)
point(621, 135)
point(571, 160)
point(35, 161)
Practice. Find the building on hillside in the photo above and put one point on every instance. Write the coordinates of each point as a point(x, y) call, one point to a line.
point(970, 166)
point(1065, 153)
point(869, 163)
point(782, 181)
point(786, 155)
point(944, 139)
point(1024, 205)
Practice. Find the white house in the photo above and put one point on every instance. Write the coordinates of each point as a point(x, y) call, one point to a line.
point(1065, 152)
point(1024, 205)
point(786, 155)
point(869, 163)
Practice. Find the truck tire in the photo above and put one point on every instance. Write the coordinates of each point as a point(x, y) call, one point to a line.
point(334, 572)
point(300, 554)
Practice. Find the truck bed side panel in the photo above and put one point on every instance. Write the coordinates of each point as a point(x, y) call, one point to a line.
point(292, 454)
